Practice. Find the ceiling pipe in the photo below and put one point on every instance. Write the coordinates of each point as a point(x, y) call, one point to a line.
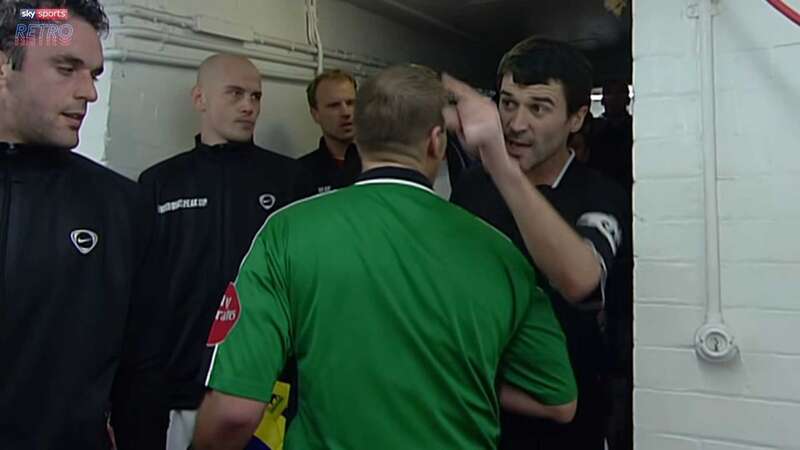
point(123, 55)
point(428, 19)
point(191, 23)
point(163, 38)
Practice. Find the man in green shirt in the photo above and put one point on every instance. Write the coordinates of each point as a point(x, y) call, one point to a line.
point(410, 319)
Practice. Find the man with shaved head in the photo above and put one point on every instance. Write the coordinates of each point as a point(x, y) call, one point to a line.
point(222, 81)
point(208, 203)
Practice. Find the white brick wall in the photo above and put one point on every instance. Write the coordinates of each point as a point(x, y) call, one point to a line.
point(144, 113)
point(681, 402)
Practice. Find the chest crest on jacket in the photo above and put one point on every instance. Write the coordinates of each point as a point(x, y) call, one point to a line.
point(84, 240)
point(267, 201)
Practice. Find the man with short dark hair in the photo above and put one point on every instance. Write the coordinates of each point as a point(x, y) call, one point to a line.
point(567, 218)
point(81, 332)
point(404, 311)
point(335, 163)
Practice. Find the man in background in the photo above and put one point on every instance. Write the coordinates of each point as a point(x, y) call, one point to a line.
point(611, 139)
point(612, 136)
point(331, 101)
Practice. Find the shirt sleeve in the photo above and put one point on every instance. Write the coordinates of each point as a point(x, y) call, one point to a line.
point(604, 230)
point(536, 359)
point(251, 329)
point(139, 410)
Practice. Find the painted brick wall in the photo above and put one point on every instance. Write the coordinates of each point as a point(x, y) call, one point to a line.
point(681, 402)
point(144, 112)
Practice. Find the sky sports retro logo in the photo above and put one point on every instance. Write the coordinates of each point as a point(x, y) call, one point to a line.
point(43, 27)
point(60, 14)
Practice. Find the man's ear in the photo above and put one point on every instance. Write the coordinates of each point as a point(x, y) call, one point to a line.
point(314, 114)
point(198, 99)
point(5, 68)
point(5, 65)
point(437, 143)
point(576, 119)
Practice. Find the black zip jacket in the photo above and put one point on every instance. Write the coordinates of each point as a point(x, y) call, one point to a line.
point(75, 322)
point(598, 211)
point(209, 203)
point(325, 173)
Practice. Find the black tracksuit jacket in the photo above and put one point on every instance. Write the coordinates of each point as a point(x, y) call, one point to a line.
point(77, 325)
point(209, 203)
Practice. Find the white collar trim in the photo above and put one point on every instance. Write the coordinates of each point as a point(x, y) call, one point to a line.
point(564, 169)
point(395, 181)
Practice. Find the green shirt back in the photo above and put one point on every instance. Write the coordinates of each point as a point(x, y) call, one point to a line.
point(403, 311)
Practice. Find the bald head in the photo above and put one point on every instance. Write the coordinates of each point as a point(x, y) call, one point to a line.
point(228, 97)
point(216, 67)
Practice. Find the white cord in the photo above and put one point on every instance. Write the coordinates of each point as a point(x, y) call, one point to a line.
point(312, 32)
point(311, 21)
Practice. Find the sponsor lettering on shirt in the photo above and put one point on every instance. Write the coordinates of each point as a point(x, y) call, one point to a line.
point(227, 315)
point(183, 203)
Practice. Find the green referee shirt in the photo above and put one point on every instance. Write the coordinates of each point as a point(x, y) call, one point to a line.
point(403, 311)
